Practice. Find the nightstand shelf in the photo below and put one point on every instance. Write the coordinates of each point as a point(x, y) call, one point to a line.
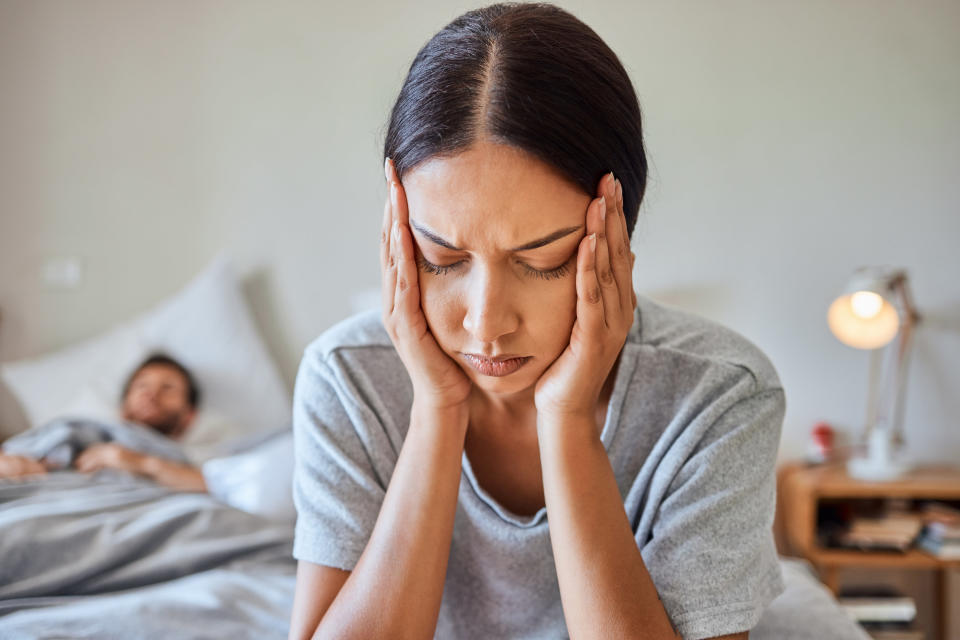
point(802, 489)
point(911, 559)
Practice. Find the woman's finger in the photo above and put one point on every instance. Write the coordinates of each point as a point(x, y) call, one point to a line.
point(398, 204)
point(387, 259)
point(407, 299)
point(385, 231)
point(390, 267)
point(623, 216)
point(608, 284)
point(589, 300)
point(620, 253)
point(400, 211)
point(626, 240)
point(626, 235)
point(385, 256)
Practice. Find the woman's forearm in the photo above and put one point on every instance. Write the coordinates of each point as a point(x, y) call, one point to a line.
point(605, 588)
point(397, 585)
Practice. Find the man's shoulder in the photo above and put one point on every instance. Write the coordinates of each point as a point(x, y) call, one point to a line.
point(690, 336)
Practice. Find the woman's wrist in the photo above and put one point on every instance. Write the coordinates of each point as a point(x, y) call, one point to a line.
point(550, 424)
point(452, 418)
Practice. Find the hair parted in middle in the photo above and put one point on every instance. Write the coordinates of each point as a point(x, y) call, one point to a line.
point(528, 75)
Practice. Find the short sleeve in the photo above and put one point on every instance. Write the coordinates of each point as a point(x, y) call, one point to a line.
point(336, 489)
point(712, 555)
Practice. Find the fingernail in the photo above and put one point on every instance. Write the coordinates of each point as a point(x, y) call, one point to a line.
point(386, 169)
point(593, 242)
point(603, 207)
point(611, 185)
point(396, 230)
point(619, 192)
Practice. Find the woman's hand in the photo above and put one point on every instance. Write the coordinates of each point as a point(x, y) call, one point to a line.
point(605, 302)
point(437, 380)
point(109, 456)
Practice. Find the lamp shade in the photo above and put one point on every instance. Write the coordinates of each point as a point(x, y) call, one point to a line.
point(864, 316)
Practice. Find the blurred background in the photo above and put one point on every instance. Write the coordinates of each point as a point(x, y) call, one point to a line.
point(789, 144)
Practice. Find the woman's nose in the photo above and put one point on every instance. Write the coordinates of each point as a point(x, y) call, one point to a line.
point(490, 314)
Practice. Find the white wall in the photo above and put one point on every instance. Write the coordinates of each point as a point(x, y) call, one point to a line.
point(790, 143)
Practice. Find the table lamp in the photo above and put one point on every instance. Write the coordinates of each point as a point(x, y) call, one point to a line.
point(875, 311)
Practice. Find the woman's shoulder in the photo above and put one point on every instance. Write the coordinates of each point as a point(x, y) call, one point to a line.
point(360, 331)
point(359, 344)
point(684, 334)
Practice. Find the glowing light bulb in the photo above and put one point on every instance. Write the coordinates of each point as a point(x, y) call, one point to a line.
point(866, 304)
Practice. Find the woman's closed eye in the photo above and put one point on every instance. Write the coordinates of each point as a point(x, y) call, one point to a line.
point(437, 269)
point(543, 274)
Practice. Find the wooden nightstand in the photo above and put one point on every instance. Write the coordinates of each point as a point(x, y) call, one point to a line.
point(801, 489)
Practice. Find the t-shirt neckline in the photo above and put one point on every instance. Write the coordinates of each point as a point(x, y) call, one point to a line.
point(612, 420)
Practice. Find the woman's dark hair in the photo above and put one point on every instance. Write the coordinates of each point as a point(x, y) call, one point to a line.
point(193, 391)
point(531, 76)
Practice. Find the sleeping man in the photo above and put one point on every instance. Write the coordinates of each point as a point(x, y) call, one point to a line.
point(158, 406)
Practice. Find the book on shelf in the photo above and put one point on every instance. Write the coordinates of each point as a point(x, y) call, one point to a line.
point(941, 531)
point(945, 549)
point(940, 513)
point(895, 531)
point(877, 605)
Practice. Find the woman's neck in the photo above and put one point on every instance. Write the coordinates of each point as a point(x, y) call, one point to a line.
point(503, 415)
point(508, 417)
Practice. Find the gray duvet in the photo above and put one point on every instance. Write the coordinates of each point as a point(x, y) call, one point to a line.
point(112, 555)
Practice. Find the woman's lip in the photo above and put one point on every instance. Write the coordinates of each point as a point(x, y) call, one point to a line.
point(496, 367)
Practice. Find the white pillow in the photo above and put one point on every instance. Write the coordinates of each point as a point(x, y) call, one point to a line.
point(207, 326)
point(259, 481)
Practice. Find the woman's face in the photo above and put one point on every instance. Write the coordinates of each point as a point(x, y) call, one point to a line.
point(497, 232)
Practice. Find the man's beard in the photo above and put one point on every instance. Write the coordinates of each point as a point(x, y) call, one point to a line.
point(168, 426)
point(168, 423)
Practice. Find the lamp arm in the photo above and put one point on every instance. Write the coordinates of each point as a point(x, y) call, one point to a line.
point(901, 285)
point(904, 346)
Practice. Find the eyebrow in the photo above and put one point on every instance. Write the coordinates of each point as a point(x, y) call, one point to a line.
point(536, 244)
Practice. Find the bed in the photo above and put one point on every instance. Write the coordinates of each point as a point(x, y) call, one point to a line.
point(116, 557)
point(112, 555)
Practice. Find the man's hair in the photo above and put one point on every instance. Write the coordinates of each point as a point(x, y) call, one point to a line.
point(193, 391)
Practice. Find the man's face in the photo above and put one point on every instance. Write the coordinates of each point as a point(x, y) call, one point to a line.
point(159, 398)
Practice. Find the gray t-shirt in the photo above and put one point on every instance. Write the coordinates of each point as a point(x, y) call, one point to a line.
point(691, 432)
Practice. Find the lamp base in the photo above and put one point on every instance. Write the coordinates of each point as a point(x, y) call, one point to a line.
point(876, 470)
point(882, 462)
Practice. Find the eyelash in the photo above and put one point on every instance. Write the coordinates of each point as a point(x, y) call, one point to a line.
point(549, 274)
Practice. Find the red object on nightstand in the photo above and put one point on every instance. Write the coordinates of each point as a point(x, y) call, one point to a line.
point(821, 442)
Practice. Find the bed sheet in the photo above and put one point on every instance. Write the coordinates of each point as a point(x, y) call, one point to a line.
point(111, 555)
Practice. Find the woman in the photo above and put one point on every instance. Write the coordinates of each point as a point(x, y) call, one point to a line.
point(513, 374)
